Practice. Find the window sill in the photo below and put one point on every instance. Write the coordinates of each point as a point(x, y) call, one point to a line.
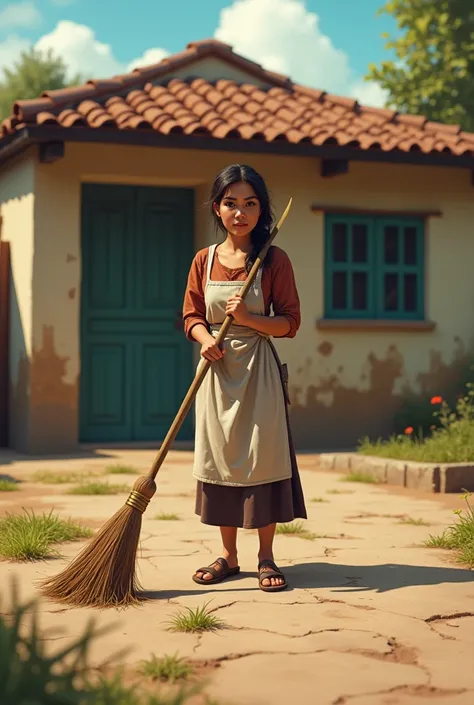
point(375, 325)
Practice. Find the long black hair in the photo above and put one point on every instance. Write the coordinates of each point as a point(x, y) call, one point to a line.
point(231, 175)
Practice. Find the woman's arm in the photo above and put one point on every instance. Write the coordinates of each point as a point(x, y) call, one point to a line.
point(284, 298)
point(276, 326)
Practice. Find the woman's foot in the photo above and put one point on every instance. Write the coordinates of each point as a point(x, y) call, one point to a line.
point(218, 571)
point(270, 577)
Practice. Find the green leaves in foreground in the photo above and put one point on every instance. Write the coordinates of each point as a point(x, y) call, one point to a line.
point(31, 674)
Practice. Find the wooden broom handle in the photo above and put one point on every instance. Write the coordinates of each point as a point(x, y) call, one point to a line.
point(205, 364)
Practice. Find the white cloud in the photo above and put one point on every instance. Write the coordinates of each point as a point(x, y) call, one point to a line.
point(19, 14)
point(10, 50)
point(284, 36)
point(83, 53)
point(150, 56)
point(369, 93)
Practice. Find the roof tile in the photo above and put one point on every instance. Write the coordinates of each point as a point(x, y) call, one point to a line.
point(272, 108)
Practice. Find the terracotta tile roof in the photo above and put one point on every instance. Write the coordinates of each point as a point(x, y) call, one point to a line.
point(272, 108)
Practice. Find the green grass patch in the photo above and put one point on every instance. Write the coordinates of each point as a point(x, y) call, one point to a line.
point(340, 491)
point(87, 488)
point(9, 486)
point(459, 537)
point(167, 516)
point(30, 537)
point(121, 470)
point(195, 620)
point(295, 528)
point(168, 669)
point(48, 477)
point(319, 499)
point(360, 476)
point(411, 521)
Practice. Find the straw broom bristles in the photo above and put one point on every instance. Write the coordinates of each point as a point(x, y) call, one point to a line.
point(104, 573)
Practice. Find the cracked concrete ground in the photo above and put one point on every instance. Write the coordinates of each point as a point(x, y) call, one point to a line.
point(371, 617)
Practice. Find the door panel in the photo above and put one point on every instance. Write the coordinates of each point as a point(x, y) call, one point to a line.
point(137, 245)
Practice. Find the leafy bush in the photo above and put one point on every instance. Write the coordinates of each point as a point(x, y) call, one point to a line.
point(451, 440)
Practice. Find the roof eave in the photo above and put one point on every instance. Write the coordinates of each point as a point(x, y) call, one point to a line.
point(12, 145)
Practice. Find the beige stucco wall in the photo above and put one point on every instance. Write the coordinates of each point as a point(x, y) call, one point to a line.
point(343, 383)
point(17, 210)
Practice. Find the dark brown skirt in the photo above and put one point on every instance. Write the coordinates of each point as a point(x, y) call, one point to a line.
point(256, 506)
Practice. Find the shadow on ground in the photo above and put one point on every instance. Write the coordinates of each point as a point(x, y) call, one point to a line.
point(342, 578)
point(380, 578)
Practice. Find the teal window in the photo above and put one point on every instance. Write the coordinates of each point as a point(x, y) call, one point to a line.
point(374, 267)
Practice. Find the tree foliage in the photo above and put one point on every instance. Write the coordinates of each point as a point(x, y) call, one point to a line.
point(32, 74)
point(433, 73)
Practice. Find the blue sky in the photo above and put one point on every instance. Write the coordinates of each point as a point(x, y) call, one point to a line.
point(325, 43)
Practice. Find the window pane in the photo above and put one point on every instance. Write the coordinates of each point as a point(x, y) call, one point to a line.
point(339, 242)
point(409, 292)
point(359, 243)
point(410, 246)
point(391, 292)
point(359, 291)
point(339, 290)
point(391, 244)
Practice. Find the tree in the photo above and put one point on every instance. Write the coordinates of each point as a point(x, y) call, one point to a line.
point(34, 73)
point(434, 71)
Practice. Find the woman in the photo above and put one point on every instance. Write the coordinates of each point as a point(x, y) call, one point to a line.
point(244, 460)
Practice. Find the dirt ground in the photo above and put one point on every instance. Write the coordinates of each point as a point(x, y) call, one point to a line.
point(371, 617)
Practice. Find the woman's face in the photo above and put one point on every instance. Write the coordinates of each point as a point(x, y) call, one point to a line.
point(239, 209)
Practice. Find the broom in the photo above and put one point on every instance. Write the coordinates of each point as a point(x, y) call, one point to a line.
point(104, 573)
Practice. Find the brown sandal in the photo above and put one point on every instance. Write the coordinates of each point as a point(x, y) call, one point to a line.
point(274, 572)
point(217, 575)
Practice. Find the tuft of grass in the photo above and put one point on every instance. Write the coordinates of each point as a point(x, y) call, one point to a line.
point(195, 620)
point(413, 522)
point(319, 499)
point(295, 528)
point(168, 669)
point(459, 537)
point(340, 491)
point(113, 691)
point(87, 488)
point(29, 537)
point(8, 486)
point(167, 516)
point(48, 477)
point(121, 470)
point(360, 476)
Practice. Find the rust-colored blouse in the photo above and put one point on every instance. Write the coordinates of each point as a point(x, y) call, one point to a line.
point(278, 287)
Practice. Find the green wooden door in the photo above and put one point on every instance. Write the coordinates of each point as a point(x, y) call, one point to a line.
point(136, 364)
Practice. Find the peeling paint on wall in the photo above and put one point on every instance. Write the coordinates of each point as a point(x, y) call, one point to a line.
point(332, 415)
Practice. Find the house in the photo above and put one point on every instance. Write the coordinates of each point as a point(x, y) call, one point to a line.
point(103, 191)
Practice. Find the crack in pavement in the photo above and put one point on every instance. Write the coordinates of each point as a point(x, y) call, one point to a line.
point(447, 617)
point(416, 690)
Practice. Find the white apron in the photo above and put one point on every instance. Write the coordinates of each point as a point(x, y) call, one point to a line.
point(241, 427)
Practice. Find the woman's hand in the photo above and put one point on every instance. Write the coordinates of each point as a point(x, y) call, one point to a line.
point(210, 350)
point(238, 310)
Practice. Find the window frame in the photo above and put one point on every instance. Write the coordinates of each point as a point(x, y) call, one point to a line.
point(375, 267)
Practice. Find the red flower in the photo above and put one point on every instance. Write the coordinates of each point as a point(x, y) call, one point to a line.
point(409, 430)
point(436, 400)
